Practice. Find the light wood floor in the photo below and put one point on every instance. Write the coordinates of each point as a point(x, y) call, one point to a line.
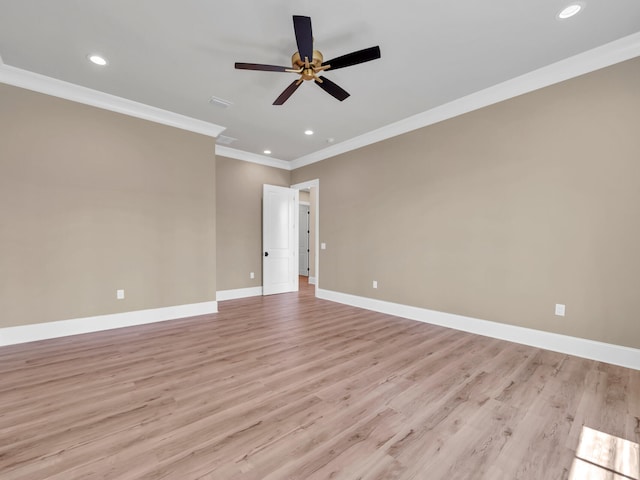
point(292, 387)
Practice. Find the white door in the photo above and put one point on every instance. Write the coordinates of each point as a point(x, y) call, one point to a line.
point(279, 240)
point(303, 242)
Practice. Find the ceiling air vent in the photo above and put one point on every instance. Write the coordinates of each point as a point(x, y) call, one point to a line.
point(224, 140)
point(220, 102)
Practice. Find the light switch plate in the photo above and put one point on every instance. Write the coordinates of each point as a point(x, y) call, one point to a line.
point(119, 294)
point(560, 309)
point(323, 246)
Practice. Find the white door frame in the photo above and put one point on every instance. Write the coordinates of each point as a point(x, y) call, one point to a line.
point(316, 184)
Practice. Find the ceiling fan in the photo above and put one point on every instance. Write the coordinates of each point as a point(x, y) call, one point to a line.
point(308, 63)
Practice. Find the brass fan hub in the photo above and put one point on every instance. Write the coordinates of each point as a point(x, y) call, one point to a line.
point(310, 68)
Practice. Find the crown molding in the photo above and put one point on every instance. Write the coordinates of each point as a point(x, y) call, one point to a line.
point(76, 93)
point(589, 61)
point(252, 157)
point(595, 59)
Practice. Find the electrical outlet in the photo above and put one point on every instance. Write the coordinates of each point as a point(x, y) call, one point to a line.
point(252, 275)
point(560, 309)
point(120, 294)
point(375, 284)
point(323, 246)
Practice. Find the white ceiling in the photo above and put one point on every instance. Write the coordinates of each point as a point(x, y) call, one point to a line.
point(176, 54)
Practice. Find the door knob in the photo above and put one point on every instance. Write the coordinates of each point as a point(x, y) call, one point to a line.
point(266, 254)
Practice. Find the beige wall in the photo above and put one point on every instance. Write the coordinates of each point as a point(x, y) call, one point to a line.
point(92, 201)
point(500, 213)
point(304, 196)
point(497, 214)
point(239, 217)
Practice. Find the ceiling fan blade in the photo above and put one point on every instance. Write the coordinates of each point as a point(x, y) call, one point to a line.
point(284, 96)
point(304, 36)
point(332, 88)
point(354, 58)
point(259, 66)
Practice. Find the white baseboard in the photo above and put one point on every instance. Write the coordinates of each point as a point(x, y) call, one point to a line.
point(580, 347)
point(63, 328)
point(238, 293)
point(312, 280)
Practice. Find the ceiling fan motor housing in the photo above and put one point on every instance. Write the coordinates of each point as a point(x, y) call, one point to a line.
point(314, 64)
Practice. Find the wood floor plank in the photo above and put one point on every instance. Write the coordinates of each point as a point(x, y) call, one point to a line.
point(293, 387)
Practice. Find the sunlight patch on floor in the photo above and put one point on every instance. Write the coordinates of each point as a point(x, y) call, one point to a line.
point(601, 456)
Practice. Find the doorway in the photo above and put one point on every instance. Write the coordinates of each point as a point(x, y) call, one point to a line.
point(313, 187)
point(303, 239)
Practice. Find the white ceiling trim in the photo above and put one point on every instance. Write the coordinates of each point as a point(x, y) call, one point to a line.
point(600, 57)
point(76, 93)
point(252, 157)
point(603, 56)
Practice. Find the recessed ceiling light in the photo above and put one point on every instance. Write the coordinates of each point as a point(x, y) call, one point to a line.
point(308, 132)
point(98, 60)
point(267, 152)
point(570, 11)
